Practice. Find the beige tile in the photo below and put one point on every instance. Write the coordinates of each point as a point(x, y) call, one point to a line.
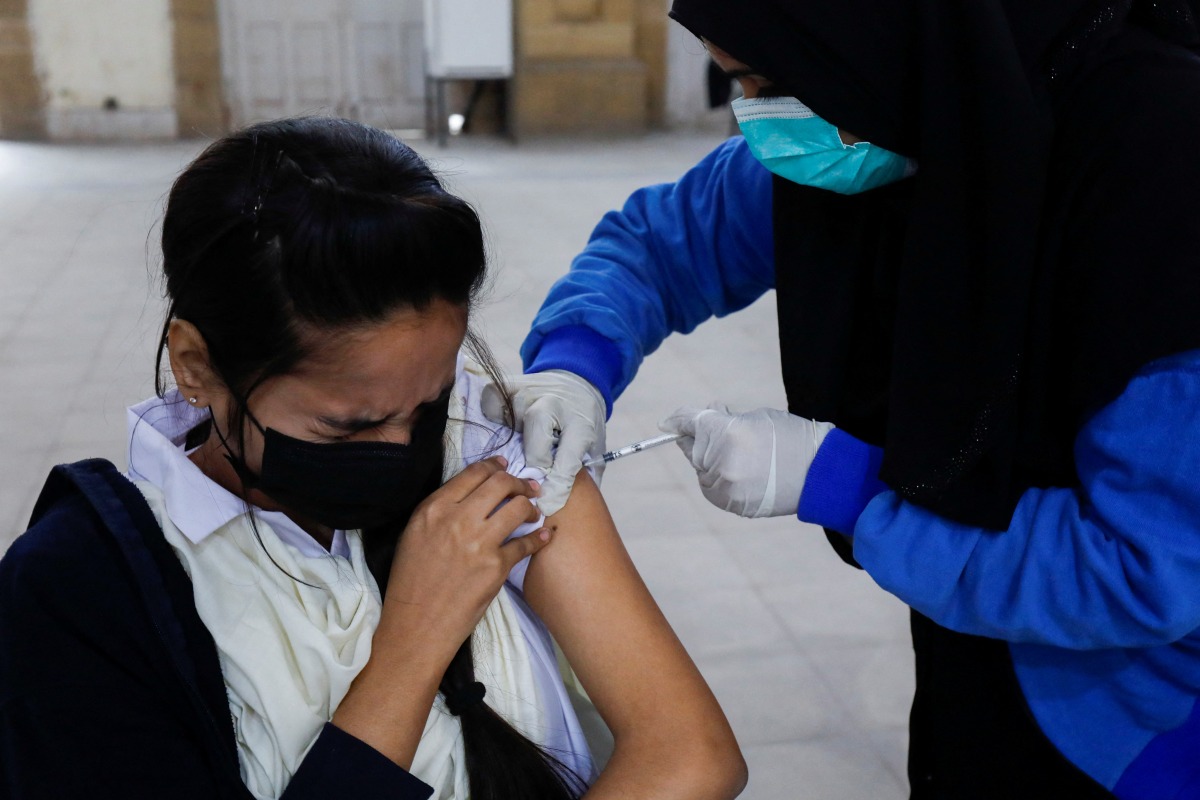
point(874, 683)
point(771, 699)
point(722, 622)
point(14, 513)
point(846, 768)
point(852, 611)
point(892, 746)
point(654, 513)
point(783, 552)
point(679, 563)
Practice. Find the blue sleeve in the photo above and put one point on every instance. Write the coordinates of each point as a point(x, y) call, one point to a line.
point(674, 256)
point(1112, 562)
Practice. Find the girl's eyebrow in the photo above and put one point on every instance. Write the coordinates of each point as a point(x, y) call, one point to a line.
point(356, 424)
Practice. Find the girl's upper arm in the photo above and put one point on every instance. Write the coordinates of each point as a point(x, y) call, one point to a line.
point(664, 718)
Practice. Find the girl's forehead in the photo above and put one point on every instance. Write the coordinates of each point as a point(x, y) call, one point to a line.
point(390, 367)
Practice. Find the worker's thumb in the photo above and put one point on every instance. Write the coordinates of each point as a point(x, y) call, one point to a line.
point(494, 403)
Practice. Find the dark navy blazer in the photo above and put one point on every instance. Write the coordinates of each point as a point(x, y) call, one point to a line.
point(110, 685)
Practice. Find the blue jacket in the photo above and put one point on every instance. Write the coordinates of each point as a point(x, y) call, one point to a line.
point(110, 685)
point(1096, 586)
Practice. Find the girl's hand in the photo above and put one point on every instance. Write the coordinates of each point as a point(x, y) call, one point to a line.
point(452, 559)
point(450, 563)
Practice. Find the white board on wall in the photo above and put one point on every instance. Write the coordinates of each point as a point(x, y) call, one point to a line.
point(469, 38)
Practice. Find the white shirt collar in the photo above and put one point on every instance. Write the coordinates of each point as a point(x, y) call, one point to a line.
point(197, 505)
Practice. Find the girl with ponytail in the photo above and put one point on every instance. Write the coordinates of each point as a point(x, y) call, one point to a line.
point(325, 573)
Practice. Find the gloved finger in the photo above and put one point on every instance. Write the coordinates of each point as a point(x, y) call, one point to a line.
point(555, 491)
point(710, 426)
point(596, 450)
point(687, 444)
point(541, 436)
point(576, 440)
point(683, 420)
point(598, 470)
point(492, 402)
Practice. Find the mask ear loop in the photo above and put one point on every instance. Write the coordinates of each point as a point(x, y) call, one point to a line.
point(249, 481)
point(238, 462)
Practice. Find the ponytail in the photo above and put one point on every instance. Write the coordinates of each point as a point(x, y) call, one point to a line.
point(501, 763)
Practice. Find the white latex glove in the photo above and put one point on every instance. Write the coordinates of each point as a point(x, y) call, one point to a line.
point(753, 464)
point(553, 408)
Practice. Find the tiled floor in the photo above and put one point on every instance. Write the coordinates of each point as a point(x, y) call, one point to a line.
point(809, 658)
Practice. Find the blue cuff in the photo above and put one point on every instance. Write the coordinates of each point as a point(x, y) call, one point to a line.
point(582, 351)
point(843, 479)
point(1167, 767)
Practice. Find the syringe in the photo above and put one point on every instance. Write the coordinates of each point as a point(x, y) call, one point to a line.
point(636, 447)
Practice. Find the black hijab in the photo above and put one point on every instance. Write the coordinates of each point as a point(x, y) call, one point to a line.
point(956, 261)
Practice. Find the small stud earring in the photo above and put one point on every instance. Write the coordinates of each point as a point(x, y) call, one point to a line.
point(193, 400)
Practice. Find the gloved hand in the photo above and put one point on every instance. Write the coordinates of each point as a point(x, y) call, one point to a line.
point(554, 407)
point(752, 464)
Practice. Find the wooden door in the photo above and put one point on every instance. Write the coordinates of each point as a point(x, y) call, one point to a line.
point(360, 59)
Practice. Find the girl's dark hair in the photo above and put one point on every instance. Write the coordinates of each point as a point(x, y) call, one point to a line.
point(284, 233)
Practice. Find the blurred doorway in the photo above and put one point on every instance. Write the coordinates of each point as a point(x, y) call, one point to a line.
point(360, 59)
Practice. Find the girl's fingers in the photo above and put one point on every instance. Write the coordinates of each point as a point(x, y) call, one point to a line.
point(512, 515)
point(499, 486)
point(467, 482)
point(523, 547)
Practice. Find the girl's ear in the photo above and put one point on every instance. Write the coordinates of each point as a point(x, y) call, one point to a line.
point(190, 365)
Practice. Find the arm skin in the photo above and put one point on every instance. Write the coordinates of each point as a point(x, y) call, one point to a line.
point(671, 738)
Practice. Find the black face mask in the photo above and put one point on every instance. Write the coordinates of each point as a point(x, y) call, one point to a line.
point(350, 485)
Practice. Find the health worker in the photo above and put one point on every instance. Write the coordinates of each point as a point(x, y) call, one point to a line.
point(982, 223)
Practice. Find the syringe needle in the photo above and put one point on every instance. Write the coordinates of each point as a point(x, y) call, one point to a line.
point(636, 447)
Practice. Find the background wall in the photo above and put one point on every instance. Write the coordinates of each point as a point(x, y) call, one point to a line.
point(138, 69)
point(106, 67)
point(578, 68)
point(20, 92)
point(686, 101)
point(199, 96)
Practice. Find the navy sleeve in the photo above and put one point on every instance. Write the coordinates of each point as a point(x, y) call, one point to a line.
point(674, 256)
point(83, 711)
point(1112, 562)
point(339, 765)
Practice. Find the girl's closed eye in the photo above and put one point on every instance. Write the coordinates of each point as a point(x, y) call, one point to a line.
point(343, 430)
point(336, 429)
